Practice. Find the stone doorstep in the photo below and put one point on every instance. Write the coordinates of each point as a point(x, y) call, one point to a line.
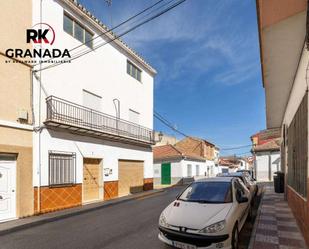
point(36, 220)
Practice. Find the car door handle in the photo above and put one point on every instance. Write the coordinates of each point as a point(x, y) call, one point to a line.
point(1, 198)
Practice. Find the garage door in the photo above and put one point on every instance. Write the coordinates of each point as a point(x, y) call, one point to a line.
point(131, 177)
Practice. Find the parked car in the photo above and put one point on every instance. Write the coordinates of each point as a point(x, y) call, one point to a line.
point(250, 172)
point(207, 214)
point(246, 179)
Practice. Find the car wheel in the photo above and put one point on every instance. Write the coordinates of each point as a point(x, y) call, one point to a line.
point(235, 237)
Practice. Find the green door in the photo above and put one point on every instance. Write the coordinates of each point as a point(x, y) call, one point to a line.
point(166, 173)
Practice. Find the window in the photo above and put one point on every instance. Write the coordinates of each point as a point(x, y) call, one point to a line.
point(208, 192)
point(76, 30)
point(92, 100)
point(189, 170)
point(68, 25)
point(197, 173)
point(240, 188)
point(61, 168)
point(134, 71)
point(133, 116)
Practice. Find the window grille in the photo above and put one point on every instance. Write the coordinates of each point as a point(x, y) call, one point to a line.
point(62, 168)
point(297, 150)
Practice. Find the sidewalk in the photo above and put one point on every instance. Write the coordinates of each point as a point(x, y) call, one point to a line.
point(276, 227)
point(19, 224)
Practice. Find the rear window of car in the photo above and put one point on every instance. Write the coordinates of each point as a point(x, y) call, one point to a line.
point(208, 192)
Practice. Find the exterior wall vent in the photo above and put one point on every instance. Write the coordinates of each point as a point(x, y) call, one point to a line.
point(22, 115)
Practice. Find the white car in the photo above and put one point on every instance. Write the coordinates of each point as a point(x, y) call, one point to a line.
point(207, 214)
point(246, 179)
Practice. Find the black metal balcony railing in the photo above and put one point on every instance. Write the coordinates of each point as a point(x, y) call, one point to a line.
point(60, 111)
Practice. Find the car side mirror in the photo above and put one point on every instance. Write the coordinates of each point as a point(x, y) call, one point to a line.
point(240, 198)
point(243, 199)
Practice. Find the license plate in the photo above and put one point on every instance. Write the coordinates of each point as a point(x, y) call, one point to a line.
point(183, 245)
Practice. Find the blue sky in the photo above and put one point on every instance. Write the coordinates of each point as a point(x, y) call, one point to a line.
point(207, 57)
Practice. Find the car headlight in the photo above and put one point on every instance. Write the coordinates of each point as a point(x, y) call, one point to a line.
point(216, 227)
point(162, 221)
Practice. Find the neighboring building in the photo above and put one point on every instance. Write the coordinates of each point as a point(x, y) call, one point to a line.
point(164, 139)
point(96, 116)
point(202, 148)
point(171, 165)
point(283, 29)
point(229, 164)
point(189, 157)
point(88, 124)
point(16, 190)
point(266, 151)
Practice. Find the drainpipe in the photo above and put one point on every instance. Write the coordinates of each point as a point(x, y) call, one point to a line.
point(117, 108)
point(40, 158)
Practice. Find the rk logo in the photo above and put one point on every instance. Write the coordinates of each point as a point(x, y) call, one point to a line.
point(41, 33)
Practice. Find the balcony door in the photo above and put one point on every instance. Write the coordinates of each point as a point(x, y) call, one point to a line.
point(92, 100)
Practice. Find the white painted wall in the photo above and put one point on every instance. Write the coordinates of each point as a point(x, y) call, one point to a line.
point(202, 166)
point(179, 169)
point(102, 72)
point(109, 152)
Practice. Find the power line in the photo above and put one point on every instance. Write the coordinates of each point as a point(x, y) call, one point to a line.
point(168, 124)
point(116, 36)
point(236, 148)
point(119, 25)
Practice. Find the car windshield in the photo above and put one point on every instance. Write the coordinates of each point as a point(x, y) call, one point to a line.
point(208, 192)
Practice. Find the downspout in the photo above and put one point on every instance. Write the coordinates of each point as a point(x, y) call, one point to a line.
point(40, 158)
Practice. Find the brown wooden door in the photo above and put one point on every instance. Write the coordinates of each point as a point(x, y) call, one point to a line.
point(91, 182)
point(131, 177)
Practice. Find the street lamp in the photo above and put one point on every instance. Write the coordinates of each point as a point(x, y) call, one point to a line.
point(160, 137)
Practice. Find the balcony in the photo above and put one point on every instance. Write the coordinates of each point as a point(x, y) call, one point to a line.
point(80, 119)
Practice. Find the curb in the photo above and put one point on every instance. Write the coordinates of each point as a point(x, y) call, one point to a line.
point(106, 204)
point(254, 228)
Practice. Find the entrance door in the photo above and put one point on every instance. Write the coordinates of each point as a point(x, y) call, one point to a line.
point(131, 177)
point(7, 190)
point(166, 173)
point(91, 182)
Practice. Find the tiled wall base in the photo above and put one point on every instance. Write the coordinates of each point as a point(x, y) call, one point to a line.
point(57, 198)
point(110, 190)
point(300, 209)
point(148, 184)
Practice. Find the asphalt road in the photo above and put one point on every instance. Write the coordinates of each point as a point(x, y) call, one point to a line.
point(129, 225)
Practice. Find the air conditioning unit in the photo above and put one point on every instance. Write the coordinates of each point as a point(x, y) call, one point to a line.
point(22, 115)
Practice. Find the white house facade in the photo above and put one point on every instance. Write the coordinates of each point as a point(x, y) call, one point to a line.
point(171, 165)
point(94, 116)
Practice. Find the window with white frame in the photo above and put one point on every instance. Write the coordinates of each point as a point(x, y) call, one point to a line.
point(62, 168)
point(77, 30)
point(134, 71)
